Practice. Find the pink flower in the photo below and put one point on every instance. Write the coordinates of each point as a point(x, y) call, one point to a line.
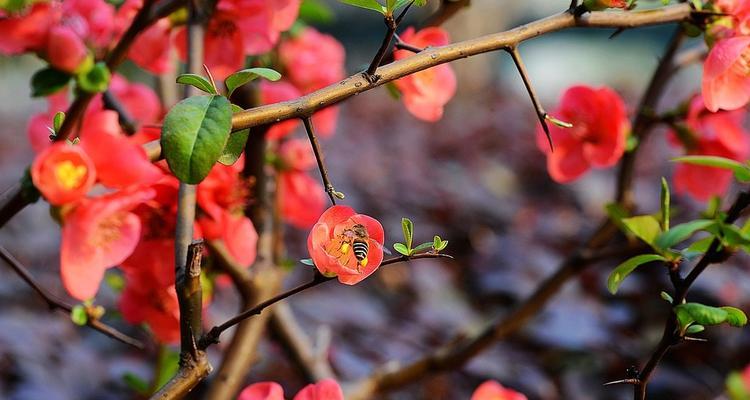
point(332, 241)
point(493, 390)
point(27, 31)
point(426, 93)
point(97, 234)
point(149, 294)
point(65, 49)
point(152, 47)
point(239, 28)
point(119, 162)
point(327, 389)
point(312, 59)
point(262, 391)
point(597, 138)
point(140, 101)
point(715, 134)
point(63, 173)
point(301, 198)
point(726, 74)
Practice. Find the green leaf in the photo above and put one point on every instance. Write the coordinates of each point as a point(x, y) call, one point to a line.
point(366, 4)
point(733, 236)
point(95, 80)
point(47, 81)
point(692, 329)
point(198, 82)
point(401, 248)
point(736, 387)
point(623, 270)
point(78, 315)
point(114, 280)
point(408, 227)
point(735, 316)
point(194, 135)
point(741, 171)
point(702, 314)
point(235, 144)
point(307, 261)
point(136, 383)
point(401, 3)
point(680, 233)
point(393, 90)
point(665, 204)
point(58, 120)
point(240, 78)
point(645, 227)
point(617, 213)
point(423, 246)
point(315, 12)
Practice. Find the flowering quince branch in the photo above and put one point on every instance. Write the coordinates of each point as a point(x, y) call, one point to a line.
point(672, 335)
point(332, 193)
point(401, 45)
point(55, 303)
point(463, 347)
point(212, 336)
point(188, 286)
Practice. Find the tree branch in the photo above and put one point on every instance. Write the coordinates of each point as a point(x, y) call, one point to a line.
point(54, 303)
point(212, 336)
point(540, 112)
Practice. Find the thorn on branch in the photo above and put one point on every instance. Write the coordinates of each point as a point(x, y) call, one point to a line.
point(540, 112)
point(401, 45)
point(629, 381)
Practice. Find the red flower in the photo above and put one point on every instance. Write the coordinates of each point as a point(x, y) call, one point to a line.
point(63, 173)
point(262, 391)
point(327, 389)
point(726, 74)
point(149, 294)
point(426, 93)
point(25, 32)
point(151, 48)
point(332, 243)
point(716, 134)
point(598, 5)
point(492, 390)
point(239, 28)
point(597, 138)
point(97, 234)
point(65, 49)
point(140, 101)
point(301, 198)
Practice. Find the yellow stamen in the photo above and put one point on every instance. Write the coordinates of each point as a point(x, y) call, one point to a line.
point(344, 248)
point(70, 175)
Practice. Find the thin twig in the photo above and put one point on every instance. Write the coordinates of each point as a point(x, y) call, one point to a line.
point(55, 303)
point(391, 24)
point(212, 336)
point(540, 112)
point(401, 45)
point(320, 159)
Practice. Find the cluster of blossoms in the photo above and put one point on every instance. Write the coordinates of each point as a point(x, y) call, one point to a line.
point(713, 121)
point(328, 389)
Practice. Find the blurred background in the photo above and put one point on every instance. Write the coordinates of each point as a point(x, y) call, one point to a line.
point(475, 178)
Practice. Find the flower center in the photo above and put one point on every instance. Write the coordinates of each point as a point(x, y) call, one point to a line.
point(69, 175)
point(108, 231)
point(742, 65)
point(350, 247)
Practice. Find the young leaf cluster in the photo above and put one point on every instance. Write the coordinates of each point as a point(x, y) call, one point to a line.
point(437, 244)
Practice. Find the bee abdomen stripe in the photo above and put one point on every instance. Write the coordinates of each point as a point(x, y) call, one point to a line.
point(360, 250)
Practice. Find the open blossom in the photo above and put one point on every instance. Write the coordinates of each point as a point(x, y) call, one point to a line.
point(139, 100)
point(726, 74)
point(493, 390)
point(714, 134)
point(97, 234)
point(149, 295)
point(597, 138)
point(239, 28)
point(301, 198)
point(327, 389)
point(346, 244)
point(63, 173)
point(427, 92)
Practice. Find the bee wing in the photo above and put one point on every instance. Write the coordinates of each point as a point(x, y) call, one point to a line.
point(381, 247)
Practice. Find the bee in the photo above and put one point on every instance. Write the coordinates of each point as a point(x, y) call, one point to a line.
point(352, 246)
